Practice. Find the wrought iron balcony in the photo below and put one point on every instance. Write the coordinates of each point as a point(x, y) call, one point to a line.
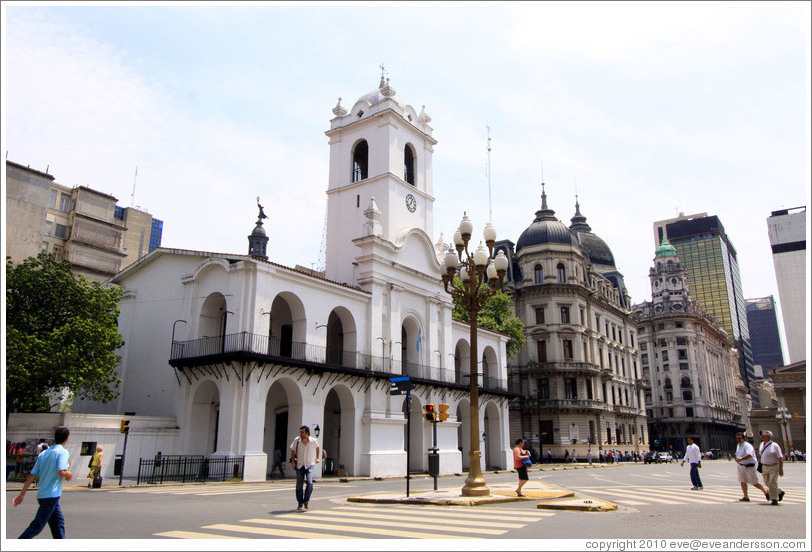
point(559, 404)
point(245, 346)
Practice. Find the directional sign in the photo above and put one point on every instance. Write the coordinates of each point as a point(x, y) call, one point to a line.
point(399, 388)
point(399, 378)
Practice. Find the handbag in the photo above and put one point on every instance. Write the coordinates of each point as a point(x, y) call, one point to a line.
point(526, 462)
point(90, 462)
point(758, 468)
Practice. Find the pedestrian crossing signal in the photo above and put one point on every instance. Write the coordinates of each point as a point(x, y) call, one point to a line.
point(125, 426)
point(429, 413)
point(443, 412)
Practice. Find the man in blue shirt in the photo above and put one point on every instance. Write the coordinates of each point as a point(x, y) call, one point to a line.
point(51, 467)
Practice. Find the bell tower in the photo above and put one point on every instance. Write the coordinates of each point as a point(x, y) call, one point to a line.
point(380, 149)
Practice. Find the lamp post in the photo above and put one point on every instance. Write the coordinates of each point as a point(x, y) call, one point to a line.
point(471, 294)
point(784, 416)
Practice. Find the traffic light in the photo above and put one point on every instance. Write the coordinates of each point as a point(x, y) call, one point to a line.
point(429, 413)
point(443, 412)
point(125, 426)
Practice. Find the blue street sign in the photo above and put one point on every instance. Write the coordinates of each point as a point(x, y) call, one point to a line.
point(400, 378)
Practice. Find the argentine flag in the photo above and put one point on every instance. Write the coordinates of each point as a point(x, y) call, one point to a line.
point(419, 339)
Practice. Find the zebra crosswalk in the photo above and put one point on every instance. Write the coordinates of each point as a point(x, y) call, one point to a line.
point(630, 495)
point(366, 521)
point(217, 490)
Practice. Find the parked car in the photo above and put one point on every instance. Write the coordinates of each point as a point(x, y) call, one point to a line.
point(651, 458)
point(665, 457)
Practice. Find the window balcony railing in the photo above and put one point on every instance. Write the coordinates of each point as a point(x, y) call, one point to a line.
point(625, 409)
point(557, 404)
point(263, 347)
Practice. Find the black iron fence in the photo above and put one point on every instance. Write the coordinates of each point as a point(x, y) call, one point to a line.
point(277, 348)
point(183, 469)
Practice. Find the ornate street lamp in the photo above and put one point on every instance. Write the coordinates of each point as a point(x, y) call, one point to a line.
point(784, 416)
point(471, 294)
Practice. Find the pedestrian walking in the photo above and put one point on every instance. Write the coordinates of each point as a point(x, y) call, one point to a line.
point(519, 456)
point(51, 467)
point(746, 467)
point(694, 458)
point(41, 446)
point(549, 456)
point(95, 466)
point(304, 455)
point(772, 465)
point(277, 463)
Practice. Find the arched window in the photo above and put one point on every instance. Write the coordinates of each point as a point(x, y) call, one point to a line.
point(539, 274)
point(686, 383)
point(360, 161)
point(408, 164)
point(667, 383)
point(562, 273)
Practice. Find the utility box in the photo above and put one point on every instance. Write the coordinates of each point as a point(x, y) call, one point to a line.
point(117, 465)
point(434, 464)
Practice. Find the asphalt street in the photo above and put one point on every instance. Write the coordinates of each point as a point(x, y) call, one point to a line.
point(654, 502)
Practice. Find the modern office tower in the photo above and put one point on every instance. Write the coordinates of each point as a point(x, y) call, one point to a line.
point(577, 375)
point(712, 269)
point(79, 224)
point(787, 231)
point(690, 370)
point(763, 324)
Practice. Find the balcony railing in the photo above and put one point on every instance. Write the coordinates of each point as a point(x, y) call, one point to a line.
point(625, 409)
point(263, 347)
point(561, 366)
point(558, 404)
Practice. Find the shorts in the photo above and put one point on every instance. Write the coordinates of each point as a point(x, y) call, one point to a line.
point(747, 474)
point(522, 473)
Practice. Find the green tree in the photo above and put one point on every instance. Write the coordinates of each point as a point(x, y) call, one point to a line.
point(61, 335)
point(496, 316)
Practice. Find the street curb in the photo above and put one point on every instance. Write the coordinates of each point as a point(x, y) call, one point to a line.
point(579, 505)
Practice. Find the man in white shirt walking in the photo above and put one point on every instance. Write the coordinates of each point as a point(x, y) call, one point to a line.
point(746, 467)
point(772, 465)
point(304, 455)
point(694, 458)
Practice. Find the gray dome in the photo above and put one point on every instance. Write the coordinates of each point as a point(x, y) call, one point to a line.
point(595, 248)
point(545, 228)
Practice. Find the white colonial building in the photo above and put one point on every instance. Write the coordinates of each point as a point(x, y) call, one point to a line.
point(242, 351)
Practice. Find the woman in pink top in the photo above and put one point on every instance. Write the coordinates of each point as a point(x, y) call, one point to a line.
point(520, 454)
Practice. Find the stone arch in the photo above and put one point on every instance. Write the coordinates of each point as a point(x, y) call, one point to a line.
point(213, 317)
point(360, 161)
point(341, 343)
point(409, 164)
point(283, 417)
point(490, 368)
point(462, 361)
point(494, 440)
point(204, 419)
point(338, 428)
point(288, 326)
point(416, 434)
point(464, 431)
point(411, 346)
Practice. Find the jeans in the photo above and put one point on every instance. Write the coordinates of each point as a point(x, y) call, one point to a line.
point(304, 476)
point(49, 513)
point(695, 475)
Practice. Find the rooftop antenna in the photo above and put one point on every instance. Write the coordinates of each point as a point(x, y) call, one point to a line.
point(490, 206)
point(132, 202)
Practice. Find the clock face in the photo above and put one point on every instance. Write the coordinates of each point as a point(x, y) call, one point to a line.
point(411, 203)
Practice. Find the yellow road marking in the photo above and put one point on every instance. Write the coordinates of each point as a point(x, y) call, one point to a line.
point(275, 532)
point(365, 530)
point(192, 535)
point(390, 521)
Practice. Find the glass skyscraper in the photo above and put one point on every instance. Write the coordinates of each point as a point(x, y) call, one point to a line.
point(763, 322)
point(712, 269)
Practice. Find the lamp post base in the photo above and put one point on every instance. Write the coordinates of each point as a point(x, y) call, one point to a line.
point(475, 483)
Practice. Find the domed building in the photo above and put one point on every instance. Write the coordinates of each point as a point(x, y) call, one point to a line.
point(577, 375)
point(690, 370)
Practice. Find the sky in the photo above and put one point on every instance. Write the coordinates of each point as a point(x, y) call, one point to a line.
point(646, 109)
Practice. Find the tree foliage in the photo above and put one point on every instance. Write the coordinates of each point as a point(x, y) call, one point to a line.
point(61, 335)
point(496, 316)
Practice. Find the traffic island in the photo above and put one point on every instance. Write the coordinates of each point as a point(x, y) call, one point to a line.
point(579, 505)
point(500, 493)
